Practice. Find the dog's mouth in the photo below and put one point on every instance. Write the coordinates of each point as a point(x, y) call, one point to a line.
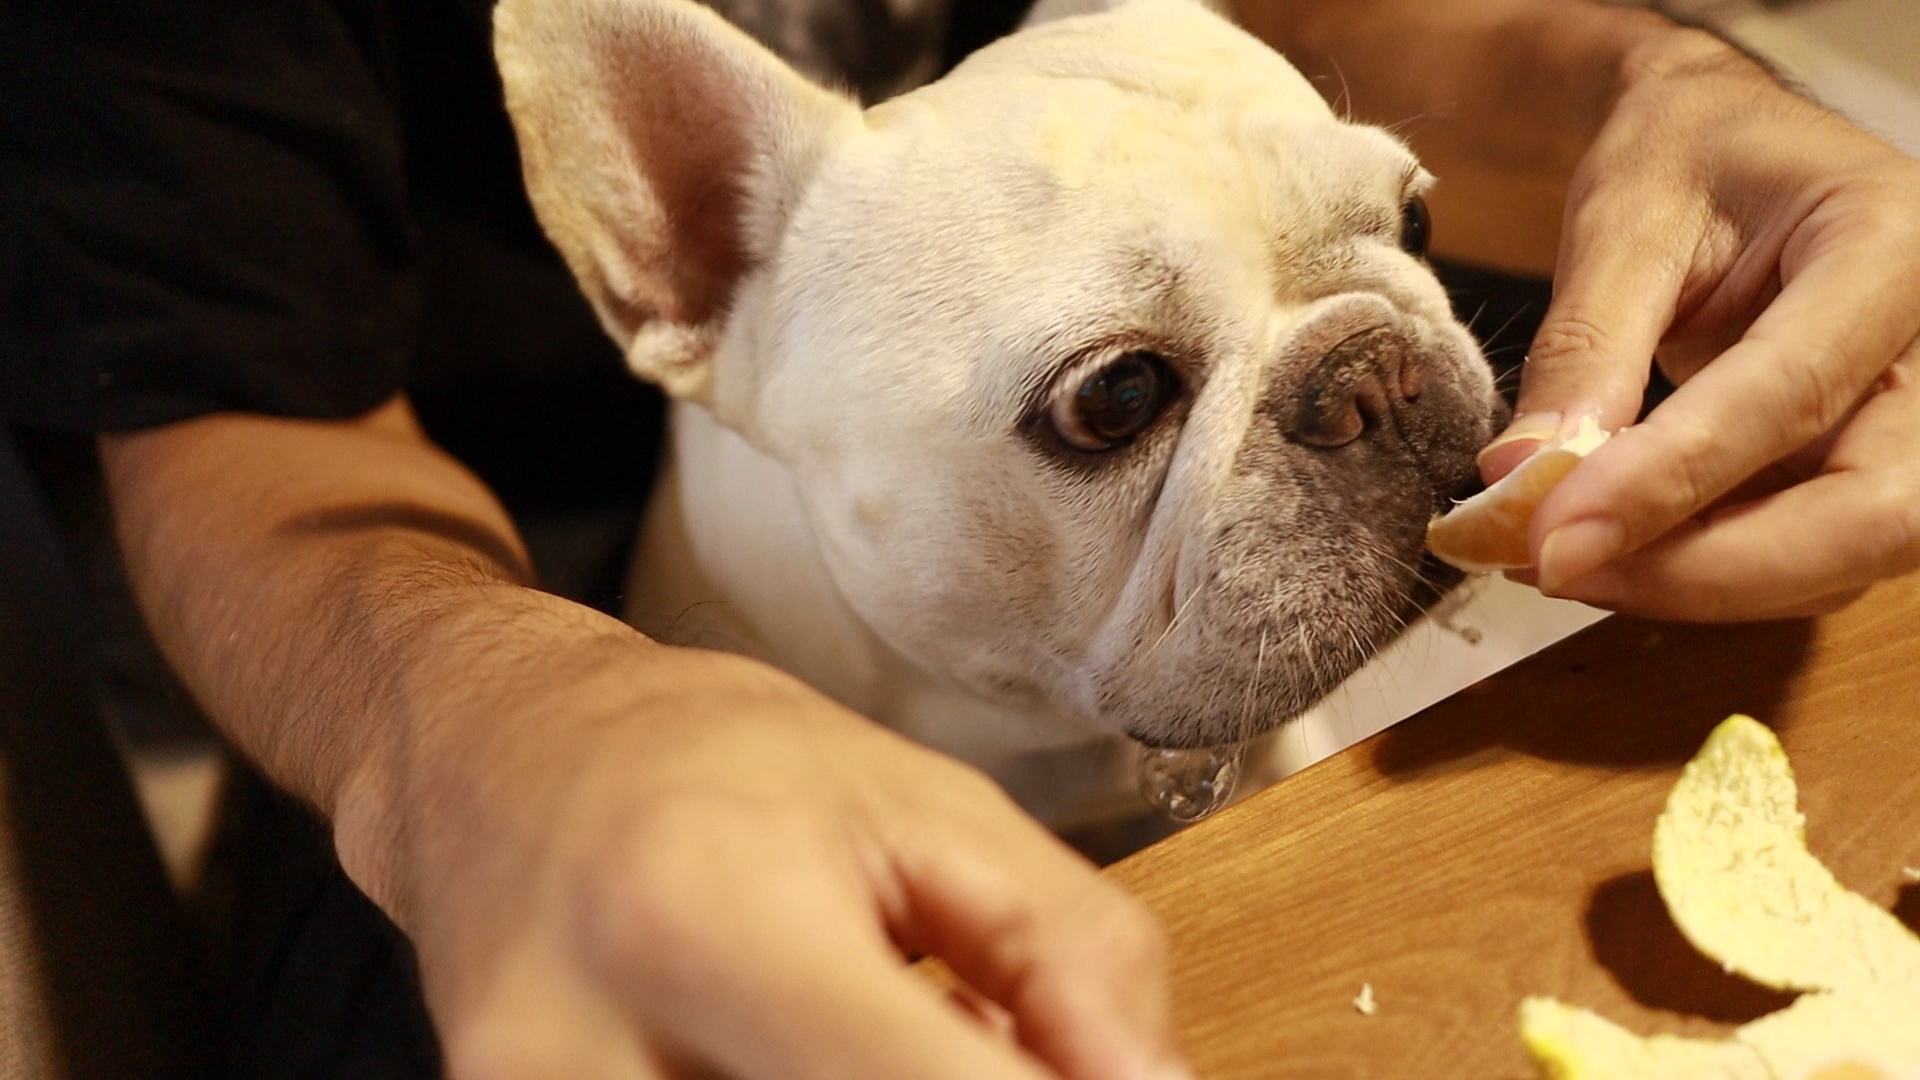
point(1311, 560)
point(1185, 777)
point(1276, 627)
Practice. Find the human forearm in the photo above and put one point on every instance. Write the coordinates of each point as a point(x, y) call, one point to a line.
point(1501, 98)
point(612, 855)
point(336, 595)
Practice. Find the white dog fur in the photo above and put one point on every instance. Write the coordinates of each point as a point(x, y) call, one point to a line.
point(877, 324)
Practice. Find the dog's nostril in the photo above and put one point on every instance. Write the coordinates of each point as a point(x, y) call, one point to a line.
point(1354, 389)
point(1330, 415)
point(1413, 377)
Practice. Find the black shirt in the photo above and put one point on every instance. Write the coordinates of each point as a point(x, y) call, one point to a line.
point(206, 208)
point(297, 208)
point(302, 207)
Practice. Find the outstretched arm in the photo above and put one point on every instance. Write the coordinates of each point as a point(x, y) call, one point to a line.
point(615, 857)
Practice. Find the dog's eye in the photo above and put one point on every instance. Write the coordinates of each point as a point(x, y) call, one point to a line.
point(1416, 227)
point(1114, 403)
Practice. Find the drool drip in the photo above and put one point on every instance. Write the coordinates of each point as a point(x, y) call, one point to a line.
point(1187, 785)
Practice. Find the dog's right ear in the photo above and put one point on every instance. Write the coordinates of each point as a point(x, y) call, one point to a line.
point(663, 150)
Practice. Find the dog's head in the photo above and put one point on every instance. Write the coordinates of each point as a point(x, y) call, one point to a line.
point(1105, 371)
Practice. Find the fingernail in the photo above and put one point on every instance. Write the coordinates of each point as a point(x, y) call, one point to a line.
point(1526, 428)
point(1577, 549)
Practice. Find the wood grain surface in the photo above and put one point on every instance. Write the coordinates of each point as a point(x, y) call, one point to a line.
point(1496, 845)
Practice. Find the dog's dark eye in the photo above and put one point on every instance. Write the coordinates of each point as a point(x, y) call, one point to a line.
point(1114, 403)
point(1416, 227)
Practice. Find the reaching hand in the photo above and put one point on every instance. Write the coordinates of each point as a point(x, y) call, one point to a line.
point(615, 858)
point(736, 890)
point(1767, 253)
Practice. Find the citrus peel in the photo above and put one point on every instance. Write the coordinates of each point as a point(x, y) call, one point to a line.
point(1731, 863)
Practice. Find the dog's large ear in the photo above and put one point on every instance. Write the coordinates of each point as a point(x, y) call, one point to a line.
point(663, 150)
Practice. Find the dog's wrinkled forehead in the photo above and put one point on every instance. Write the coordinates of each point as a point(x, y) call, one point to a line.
point(1050, 189)
point(1155, 95)
point(1162, 49)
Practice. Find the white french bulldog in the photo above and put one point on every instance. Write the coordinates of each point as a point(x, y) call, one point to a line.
point(1089, 394)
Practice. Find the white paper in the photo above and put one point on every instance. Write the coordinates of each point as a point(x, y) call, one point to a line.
point(1486, 626)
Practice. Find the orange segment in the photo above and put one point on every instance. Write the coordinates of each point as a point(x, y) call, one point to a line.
point(1489, 531)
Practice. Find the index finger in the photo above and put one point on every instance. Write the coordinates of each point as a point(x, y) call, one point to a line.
point(767, 956)
point(1079, 963)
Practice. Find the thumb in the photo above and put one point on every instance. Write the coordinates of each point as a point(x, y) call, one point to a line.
point(1615, 293)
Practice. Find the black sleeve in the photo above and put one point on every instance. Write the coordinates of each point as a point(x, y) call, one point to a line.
point(202, 208)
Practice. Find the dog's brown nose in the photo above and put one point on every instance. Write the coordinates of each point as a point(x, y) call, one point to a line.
point(1357, 386)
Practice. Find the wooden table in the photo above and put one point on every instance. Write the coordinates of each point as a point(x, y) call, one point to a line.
point(1496, 845)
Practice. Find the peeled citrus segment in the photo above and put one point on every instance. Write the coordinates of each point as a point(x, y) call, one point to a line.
point(1730, 858)
point(1489, 530)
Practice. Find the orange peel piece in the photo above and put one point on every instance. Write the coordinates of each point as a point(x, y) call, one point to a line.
point(1731, 862)
point(1489, 530)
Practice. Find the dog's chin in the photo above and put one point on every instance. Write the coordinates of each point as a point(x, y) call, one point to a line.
point(1265, 708)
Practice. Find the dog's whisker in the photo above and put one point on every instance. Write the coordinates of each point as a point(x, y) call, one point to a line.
point(1172, 623)
point(1247, 719)
point(1416, 118)
point(1475, 318)
point(1511, 319)
point(1342, 105)
point(1212, 697)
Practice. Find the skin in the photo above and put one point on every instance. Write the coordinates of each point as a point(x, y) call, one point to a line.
point(1779, 292)
point(623, 859)
point(617, 858)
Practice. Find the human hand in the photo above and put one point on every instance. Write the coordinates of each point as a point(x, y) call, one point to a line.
point(1767, 255)
point(614, 858)
point(685, 863)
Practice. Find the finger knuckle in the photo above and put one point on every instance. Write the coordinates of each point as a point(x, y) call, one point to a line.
point(1136, 935)
point(1015, 945)
point(1114, 928)
point(1816, 390)
point(974, 785)
point(1694, 446)
point(1898, 219)
point(1570, 337)
point(961, 792)
point(1902, 516)
point(1887, 204)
